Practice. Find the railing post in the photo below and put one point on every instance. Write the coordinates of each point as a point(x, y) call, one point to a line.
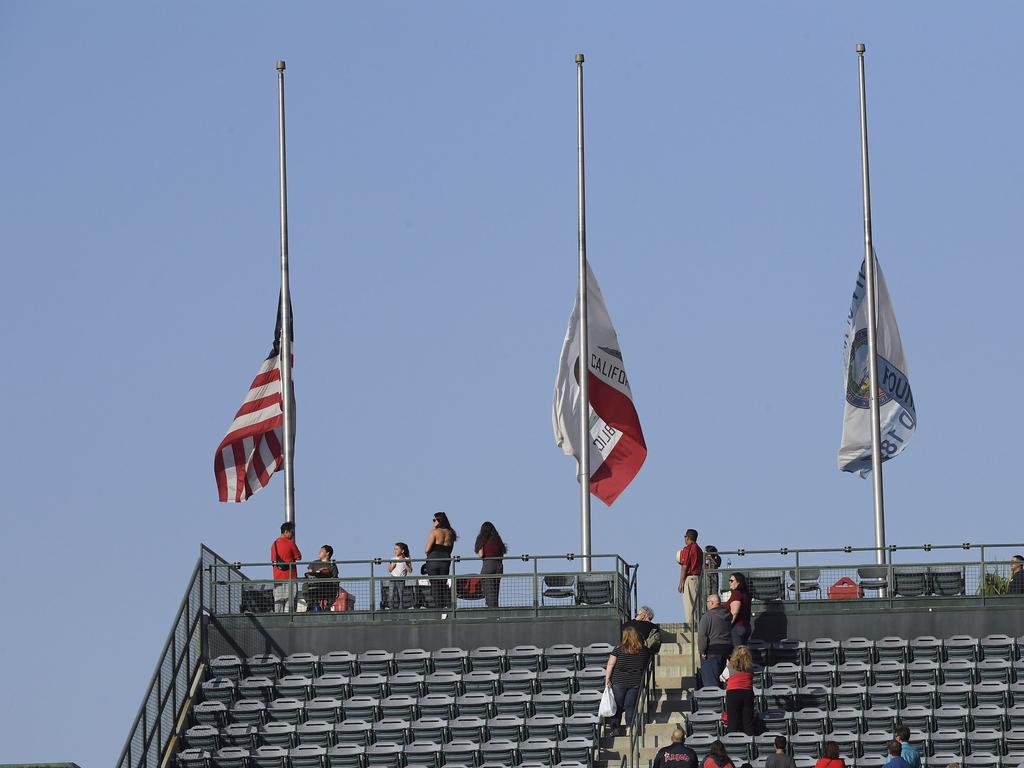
point(797, 583)
point(451, 585)
point(984, 579)
point(536, 589)
point(373, 592)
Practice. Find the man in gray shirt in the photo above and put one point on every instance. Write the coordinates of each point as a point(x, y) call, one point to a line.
point(714, 641)
point(780, 759)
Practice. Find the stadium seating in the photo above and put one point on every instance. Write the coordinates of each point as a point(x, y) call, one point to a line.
point(451, 707)
point(962, 697)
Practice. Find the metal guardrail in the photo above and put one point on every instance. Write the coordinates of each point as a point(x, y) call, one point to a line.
point(170, 687)
point(640, 714)
point(217, 586)
point(910, 572)
point(532, 583)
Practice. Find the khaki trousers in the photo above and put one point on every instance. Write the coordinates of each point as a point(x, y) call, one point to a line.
point(690, 604)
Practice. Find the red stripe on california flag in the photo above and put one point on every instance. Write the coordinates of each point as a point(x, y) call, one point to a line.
point(620, 466)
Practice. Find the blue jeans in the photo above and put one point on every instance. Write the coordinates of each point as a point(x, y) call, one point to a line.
point(710, 670)
point(740, 635)
point(625, 702)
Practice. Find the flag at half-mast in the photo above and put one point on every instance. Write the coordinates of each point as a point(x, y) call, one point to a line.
point(898, 418)
point(617, 447)
point(253, 448)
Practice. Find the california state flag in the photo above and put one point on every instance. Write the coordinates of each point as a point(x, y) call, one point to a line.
point(617, 447)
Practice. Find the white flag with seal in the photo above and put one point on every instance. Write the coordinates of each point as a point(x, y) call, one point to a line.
point(617, 447)
point(898, 418)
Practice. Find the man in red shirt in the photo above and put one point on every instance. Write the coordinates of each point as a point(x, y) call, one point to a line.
point(691, 566)
point(283, 554)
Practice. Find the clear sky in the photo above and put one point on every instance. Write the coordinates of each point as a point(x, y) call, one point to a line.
point(433, 243)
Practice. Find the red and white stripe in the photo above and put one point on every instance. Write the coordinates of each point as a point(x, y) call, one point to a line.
point(253, 448)
point(617, 448)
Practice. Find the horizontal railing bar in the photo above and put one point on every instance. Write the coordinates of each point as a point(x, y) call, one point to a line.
point(740, 552)
point(453, 559)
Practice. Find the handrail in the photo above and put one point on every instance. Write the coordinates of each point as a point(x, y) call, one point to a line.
point(170, 686)
point(636, 734)
point(149, 730)
point(967, 545)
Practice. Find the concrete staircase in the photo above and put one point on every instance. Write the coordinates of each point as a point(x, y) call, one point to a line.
point(673, 676)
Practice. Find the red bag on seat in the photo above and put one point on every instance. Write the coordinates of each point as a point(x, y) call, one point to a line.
point(845, 589)
point(344, 601)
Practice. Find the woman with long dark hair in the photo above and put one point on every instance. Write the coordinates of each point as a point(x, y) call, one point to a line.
point(625, 674)
point(491, 548)
point(739, 606)
point(717, 756)
point(440, 543)
point(830, 757)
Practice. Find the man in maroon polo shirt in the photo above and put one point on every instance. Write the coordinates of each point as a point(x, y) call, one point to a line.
point(691, 566)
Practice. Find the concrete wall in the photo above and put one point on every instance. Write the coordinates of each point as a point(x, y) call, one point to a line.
point(319, 633)
point(1005, 615)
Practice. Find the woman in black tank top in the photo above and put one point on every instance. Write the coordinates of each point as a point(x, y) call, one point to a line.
point(440, 543)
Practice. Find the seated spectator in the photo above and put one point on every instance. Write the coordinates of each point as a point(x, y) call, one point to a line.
point(321, 585)
point(830, 757)
point(1016, 586)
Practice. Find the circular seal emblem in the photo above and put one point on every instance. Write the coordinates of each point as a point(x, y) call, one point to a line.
point(858, 378)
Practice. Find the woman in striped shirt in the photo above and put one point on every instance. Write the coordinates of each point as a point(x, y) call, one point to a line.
point(625, 674)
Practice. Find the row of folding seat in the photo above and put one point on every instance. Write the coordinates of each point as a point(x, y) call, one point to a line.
point(872, 743)
point(535, 753)
point(924, 648)
point(938, 760)
point(370, 709)
point(393, 731)
point(403, 683)
point(893, 695)
point(890, 671)
point(488, 658)
point(856, 720)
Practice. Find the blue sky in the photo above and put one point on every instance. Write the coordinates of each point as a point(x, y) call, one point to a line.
point(433, 243)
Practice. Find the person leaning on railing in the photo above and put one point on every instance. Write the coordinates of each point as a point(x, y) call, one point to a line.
point(625, 675)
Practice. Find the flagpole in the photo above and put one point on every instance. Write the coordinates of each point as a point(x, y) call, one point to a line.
point(584, 364)
point(286, 315)
point(869, 274)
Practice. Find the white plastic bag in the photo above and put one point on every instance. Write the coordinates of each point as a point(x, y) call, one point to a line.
point(607, 708)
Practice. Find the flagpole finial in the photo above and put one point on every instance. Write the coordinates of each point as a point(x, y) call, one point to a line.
point(280, 65)
point(861, 48)
point(579, 58)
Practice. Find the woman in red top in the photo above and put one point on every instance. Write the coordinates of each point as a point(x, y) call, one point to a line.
point(830, 757)
point(738, 605)
point(489, 545)
point(717, 756)
point(739, 692)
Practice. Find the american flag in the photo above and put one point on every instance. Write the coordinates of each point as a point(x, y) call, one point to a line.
point(253, 448)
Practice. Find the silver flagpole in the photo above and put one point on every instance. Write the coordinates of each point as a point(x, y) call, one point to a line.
point(584, 363)
point(869, 274)
point(286, 316)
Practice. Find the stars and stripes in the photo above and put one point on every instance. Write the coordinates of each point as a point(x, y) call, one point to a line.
point(253, 448)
